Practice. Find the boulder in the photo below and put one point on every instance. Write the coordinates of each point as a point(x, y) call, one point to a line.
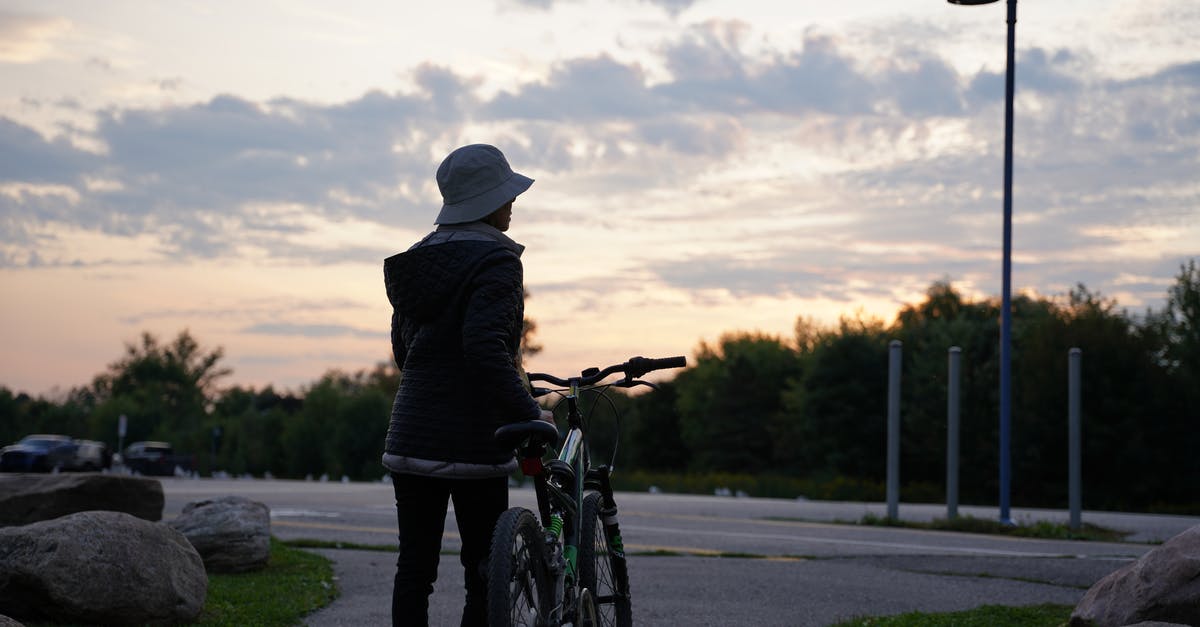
point(231, 533)
point(30, 498)
point(9, 622)
point(1162, 586)
point(100, 568)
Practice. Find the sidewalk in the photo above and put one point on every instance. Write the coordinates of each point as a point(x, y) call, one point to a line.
point(365, 581)
point(703, 590)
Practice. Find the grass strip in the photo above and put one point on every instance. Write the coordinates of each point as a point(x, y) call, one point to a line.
point(294, 584)
point(1045, 615)
point(1039, 529)
point(969, 524)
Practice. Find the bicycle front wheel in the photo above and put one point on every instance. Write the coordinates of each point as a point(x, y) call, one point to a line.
point(602, 567)
point(518, 584)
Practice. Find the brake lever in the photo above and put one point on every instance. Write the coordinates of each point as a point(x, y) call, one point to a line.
point(632, 383)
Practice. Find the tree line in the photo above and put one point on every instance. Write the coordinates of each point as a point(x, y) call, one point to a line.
point(810, 407)
point(814, 406)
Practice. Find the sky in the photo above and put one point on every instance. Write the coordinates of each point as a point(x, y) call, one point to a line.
point(241, 169)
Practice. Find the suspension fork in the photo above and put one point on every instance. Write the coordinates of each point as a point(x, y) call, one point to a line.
point(608, 512)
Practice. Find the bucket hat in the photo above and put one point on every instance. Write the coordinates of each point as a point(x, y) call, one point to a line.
point(475, 181)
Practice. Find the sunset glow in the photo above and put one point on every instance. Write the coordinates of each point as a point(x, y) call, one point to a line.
point(703, 166)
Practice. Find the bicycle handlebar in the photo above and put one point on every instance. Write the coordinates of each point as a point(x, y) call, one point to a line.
point(634, 368)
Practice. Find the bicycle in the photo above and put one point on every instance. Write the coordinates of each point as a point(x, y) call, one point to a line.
point(566, 564)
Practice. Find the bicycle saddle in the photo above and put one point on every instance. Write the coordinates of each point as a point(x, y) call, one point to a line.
point(537, 431)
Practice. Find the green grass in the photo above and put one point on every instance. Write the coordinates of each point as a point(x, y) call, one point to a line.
point(1039, 529)
point(1046, 615)
point(294, 584)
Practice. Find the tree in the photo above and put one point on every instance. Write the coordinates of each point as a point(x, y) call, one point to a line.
point(728, 399)
point(251, 423)
point(529, 348)
point(836, 409)
point(1178, 342)
point(653, 439)
point(1123, 388)
point(340, 428)
point(928, 330)
point(22, 415)
point(164, 389)
point(1180, 323)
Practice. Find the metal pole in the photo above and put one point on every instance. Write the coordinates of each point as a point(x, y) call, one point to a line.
point(1006, 294)
point(952, 404)
point(122, 426)
point(893, 430)
point(1074, 438)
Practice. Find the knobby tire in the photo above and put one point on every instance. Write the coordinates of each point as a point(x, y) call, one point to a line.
point(518, 585)
point(602, 570)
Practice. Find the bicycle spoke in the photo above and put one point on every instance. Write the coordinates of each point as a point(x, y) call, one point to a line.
point(515, 580)
point(603, 570)
point(575, 492)
point(522, 588)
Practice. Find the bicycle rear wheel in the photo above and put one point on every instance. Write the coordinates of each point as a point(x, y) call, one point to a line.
point(602, 567)
point(518, 584)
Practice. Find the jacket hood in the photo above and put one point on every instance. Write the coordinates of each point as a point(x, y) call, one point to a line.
point(421, 282)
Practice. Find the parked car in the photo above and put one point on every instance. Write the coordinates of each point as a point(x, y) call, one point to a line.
point(91, 455)
point(39, 453)
point(154, 458)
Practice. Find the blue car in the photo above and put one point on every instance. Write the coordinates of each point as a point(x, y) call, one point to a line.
point(39, 453)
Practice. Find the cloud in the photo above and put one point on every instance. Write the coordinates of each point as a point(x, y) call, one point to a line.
point(1102, 169)
point(904, 148)
point(27, 157)
point(29, 38)
point(672, 7)
point(774, 276)
point(172, 170)
point(582, 89)
point(311, 330)
point(711, 74)
point(1036, 70)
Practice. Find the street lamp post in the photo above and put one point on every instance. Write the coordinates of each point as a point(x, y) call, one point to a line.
point(1006, 286)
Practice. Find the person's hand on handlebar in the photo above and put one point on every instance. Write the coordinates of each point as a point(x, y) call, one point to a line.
point(548, 416)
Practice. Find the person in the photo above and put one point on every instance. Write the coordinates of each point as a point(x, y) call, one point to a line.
point(457, 313)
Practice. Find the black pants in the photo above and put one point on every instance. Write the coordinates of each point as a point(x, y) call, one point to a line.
point(421, 514)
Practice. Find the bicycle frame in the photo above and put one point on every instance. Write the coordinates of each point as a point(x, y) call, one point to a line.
point(572, 497)
point(559, 506)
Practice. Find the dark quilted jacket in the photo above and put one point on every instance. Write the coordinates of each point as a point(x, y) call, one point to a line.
point(458, 307)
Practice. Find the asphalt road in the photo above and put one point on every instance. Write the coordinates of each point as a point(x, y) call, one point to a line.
point(722, 560)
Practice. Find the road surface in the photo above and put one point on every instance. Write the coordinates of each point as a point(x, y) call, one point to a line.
point(701, 560)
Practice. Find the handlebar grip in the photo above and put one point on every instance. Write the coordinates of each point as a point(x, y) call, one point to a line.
point(639, 366)
point(668, 362)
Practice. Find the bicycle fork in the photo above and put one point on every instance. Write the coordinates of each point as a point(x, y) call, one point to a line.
point(599, 479)
point(560, 559)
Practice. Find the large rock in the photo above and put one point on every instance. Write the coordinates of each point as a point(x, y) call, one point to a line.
point(9, 622)
point(1163, 585)
point(29, 498)
point(100, 568)
point(231, 533)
